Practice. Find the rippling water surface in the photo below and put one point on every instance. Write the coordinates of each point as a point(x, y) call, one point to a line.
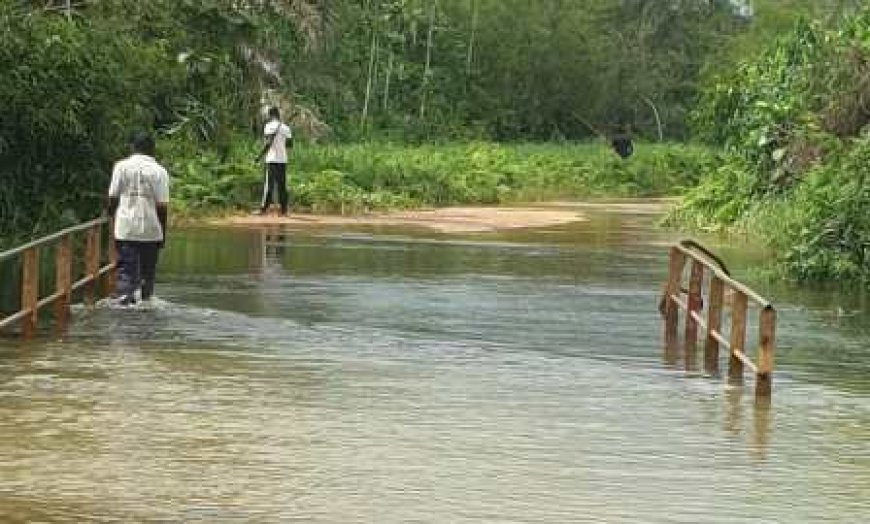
point(402, 376)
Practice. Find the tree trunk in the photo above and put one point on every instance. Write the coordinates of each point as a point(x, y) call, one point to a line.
point(469, 59)
point(369, 81)
point(658, 119)
point(427, 70)
point(387, 81)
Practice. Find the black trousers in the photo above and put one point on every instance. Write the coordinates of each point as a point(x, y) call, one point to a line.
point(276, 182)
point(137, 266)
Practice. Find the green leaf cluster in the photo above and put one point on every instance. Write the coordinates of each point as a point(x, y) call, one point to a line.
point(796, 131)
point(376, 176)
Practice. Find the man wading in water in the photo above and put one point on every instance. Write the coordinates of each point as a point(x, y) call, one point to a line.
point(138, 198)
point(275, 148)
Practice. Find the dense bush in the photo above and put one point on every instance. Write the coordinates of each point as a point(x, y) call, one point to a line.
point(795, 124)
point(67, 107)
point(72, 90)
point(376, 176)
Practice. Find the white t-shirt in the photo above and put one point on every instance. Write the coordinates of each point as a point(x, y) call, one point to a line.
point(278, 152)
point(140, 183)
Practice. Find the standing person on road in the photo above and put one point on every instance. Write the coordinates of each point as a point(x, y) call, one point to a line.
point(277, 139)
point(138, 199)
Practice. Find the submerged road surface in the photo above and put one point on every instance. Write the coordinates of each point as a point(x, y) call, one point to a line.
point(390, 375)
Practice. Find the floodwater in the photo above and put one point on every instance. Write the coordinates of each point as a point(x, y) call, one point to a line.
point(334, 375)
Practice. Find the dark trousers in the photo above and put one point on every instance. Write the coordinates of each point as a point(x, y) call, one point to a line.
point(276, 182)
point(137, 266)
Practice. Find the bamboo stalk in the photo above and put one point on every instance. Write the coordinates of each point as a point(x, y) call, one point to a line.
point(469, 57)
point(29, 291)
point(373, 62)
point(427, 69)
point(738, 336)
point(714, 324)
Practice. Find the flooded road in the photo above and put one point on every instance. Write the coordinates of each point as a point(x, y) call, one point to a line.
point(393, 375)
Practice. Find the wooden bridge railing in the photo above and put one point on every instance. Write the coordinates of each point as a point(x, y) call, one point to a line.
point(721, 294)
point(30, 300)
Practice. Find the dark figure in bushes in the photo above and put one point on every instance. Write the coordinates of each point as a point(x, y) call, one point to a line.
point(621, 143)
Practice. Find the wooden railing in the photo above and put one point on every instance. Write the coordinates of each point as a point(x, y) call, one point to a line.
point(710, 288)
point(30, 301)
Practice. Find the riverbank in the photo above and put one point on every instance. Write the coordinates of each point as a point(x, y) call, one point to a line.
point(464, 219)
point(378, 177)
point(444, 220)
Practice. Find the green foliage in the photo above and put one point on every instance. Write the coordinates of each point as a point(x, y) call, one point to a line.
point(72, 90)
point(380, 176)
point(799, 149)
point(386, 73)
point(753, 109)
point(825, 230)
point(67, 107)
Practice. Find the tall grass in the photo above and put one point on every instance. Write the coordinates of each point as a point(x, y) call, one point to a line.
point(378, 176)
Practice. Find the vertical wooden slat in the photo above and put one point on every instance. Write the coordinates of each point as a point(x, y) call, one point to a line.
point(738, 335)
point(693, 300)
point(108, 282)
point(113, 259)
point(714, 324)
point(672, 313)
point(29, 291)
point(92, 263)
point(766, 340)
point(63, 280)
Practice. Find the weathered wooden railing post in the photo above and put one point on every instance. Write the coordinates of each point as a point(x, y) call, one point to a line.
point(693, 303)
point(113, 258)
point(766, 339)
point(30, 291)
point(110, 276)
point(714, 324)
point(672, 288)
point(63, 280)
point(30, 301)
point(738, 335)
point(720, 283)
point(92, 263)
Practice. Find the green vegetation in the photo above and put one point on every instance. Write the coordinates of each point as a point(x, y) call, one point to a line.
point(794, 123)
point(76, 80)
point(400, 103)
point(378, 175)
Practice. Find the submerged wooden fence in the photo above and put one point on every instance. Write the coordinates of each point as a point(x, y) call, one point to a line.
point(721, 294)
point(31, 302)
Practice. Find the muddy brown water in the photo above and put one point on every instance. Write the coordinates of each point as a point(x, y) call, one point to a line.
point(400, 375)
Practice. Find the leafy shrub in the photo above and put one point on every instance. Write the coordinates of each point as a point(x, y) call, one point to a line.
point(794, 123)
point(366, 177)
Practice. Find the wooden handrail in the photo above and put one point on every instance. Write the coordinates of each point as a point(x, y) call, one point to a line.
point(54, 237)
point(724, 277)
point(722, 293)
point(30, 301)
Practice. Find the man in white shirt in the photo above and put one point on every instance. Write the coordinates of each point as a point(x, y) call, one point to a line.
point(138, 198)
point(278, 138)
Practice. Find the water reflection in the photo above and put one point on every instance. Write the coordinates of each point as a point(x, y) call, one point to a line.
point(377, 376)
